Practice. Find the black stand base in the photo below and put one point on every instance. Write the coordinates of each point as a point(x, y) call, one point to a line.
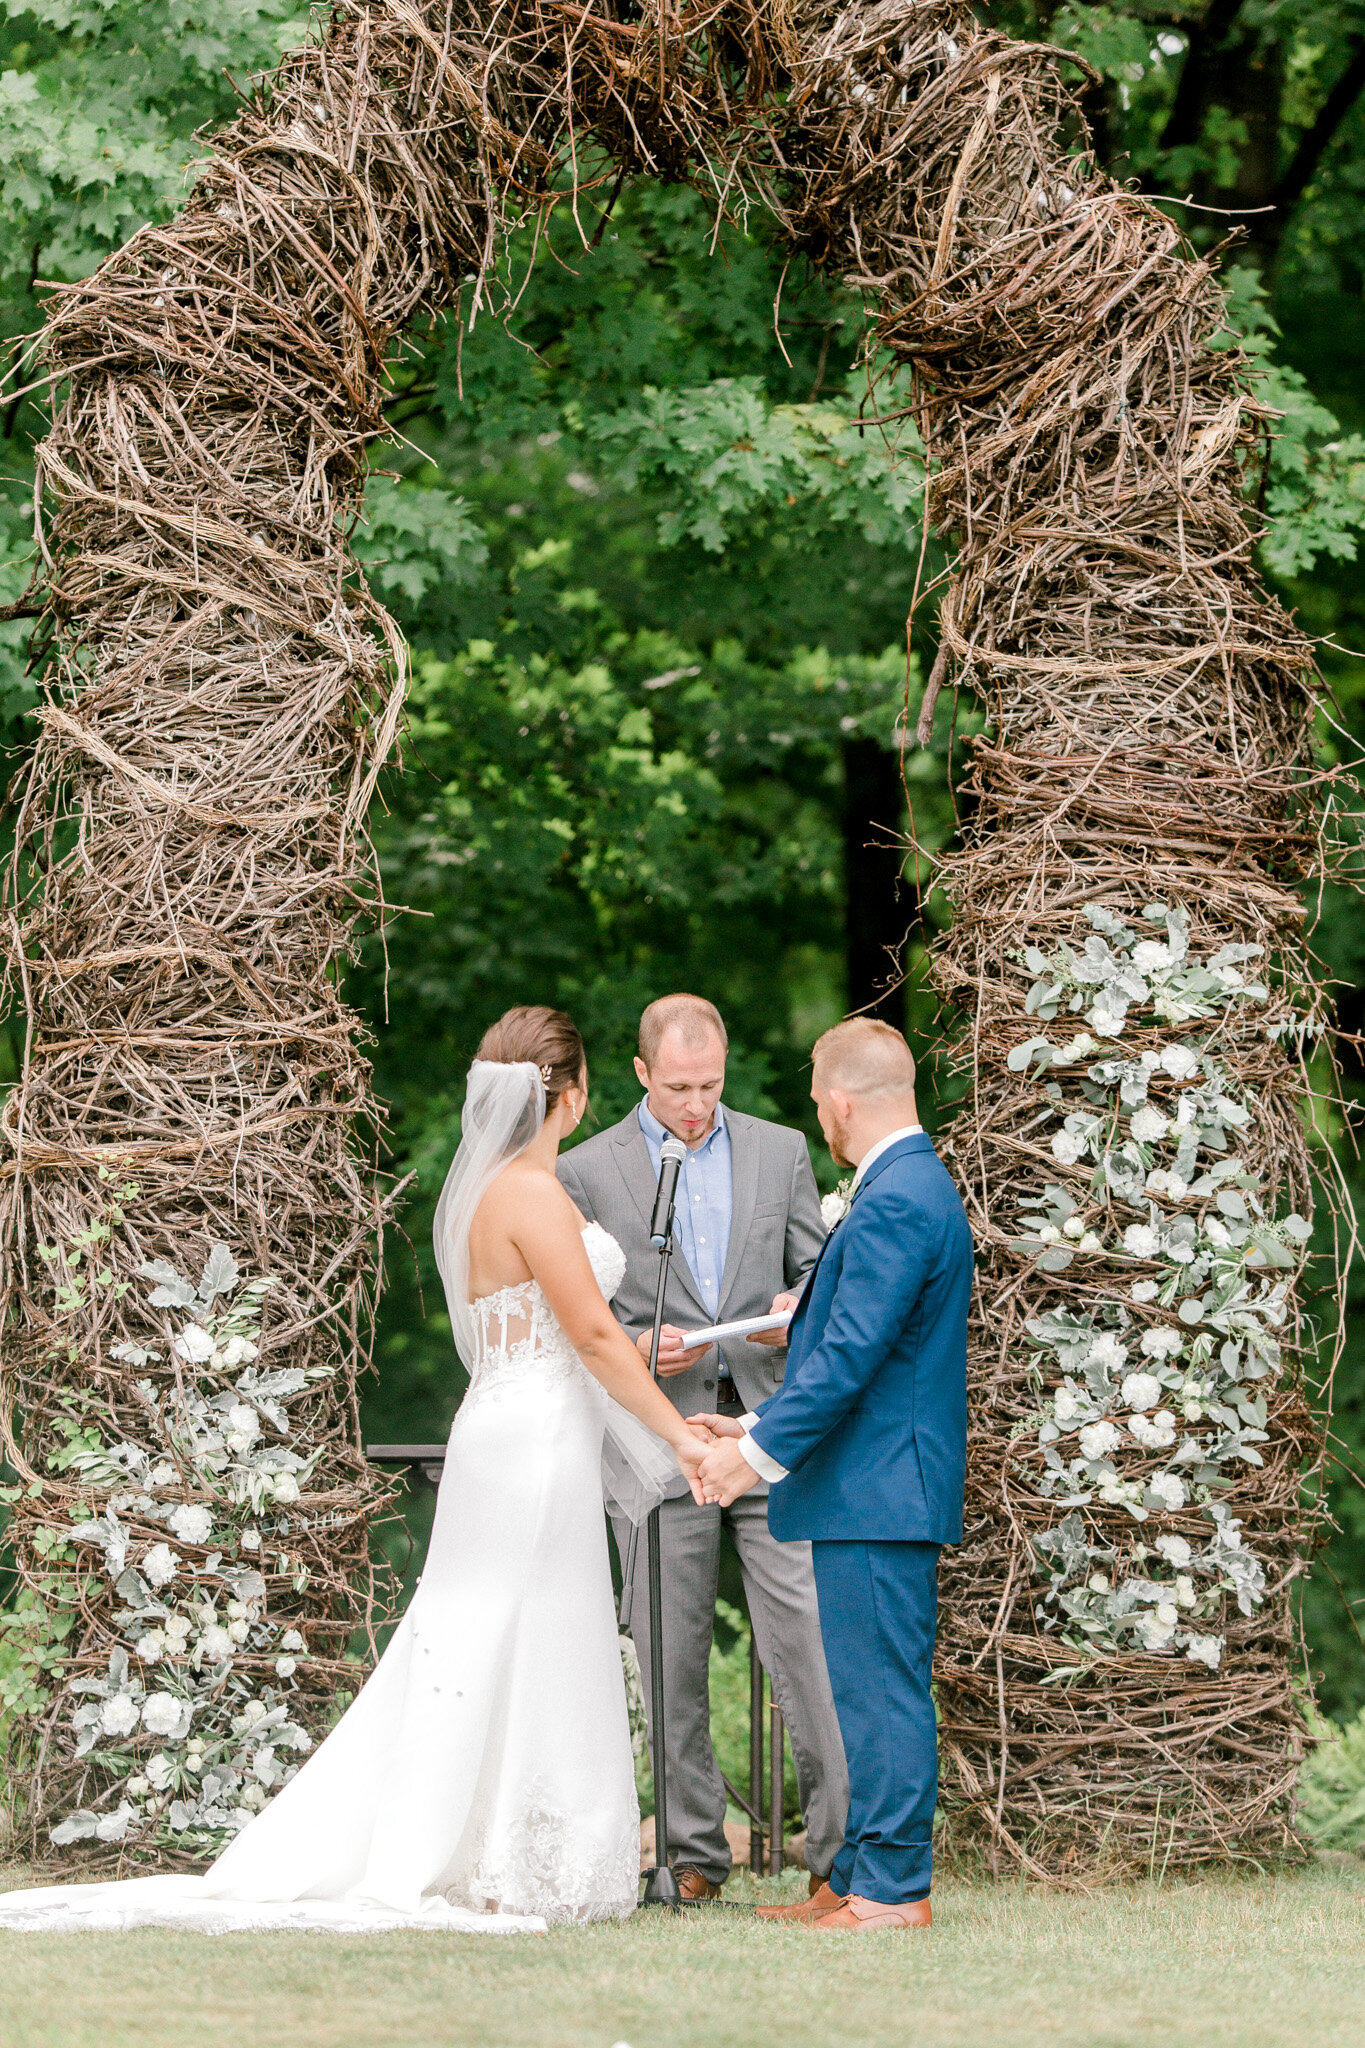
point(661, 1889)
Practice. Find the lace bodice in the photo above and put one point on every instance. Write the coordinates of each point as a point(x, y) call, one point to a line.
point(517, 1334)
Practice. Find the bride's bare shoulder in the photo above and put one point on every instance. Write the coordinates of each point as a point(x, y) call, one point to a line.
point(525, 1192)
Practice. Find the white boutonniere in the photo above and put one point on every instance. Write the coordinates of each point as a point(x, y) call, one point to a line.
point(835, 1207)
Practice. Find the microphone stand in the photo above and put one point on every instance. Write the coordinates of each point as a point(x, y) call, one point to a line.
point(661, 1887)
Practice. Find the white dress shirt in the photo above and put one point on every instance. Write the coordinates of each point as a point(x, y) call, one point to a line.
point(752, 1453)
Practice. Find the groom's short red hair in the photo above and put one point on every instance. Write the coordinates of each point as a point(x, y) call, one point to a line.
point(863, 1056)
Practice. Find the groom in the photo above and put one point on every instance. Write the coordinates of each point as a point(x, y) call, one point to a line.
point(864, 1449)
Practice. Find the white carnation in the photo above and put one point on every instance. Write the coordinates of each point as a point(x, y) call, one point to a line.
point(1156, 1433)
point(177, 1629)
point(1175, 1550)
point(1090, 1243)
point(118, 1716)
point(1141, 1390)
point(1184, 1590)
point(160, 1565)
point(237, 1351)
point(1105, 1022)
point(1141, 1241)
point(1074, 1226)
point(1099, 1582)
point(1065, 1407)
point(164, 1474)
point(1098, 1439)
point(1145, 1290)
point(151, 1647)
point(215, 1644)
point(251, 1539)
point(1149, 1124)
point(194, 1345)
point(285, 1667)
point(1068, 1147)
point(1179, 1061)
point(1150, 955)
point(1162, 1342)
point(192, 1524)
point(832, 1209)
point(1205, 1650)
point(243, 1420)
point(1167, 1614)
point(1107, 1352)
point(1167, 1490)
point(1156, 1633)
point(285, 1489)
point(239, 1630)
point(1176, 1188)
point(1050, 1234)
point(162, 1713)
point(1216, 1232)
point(291, 1640)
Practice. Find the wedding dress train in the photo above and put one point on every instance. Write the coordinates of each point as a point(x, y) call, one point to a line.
point(483, 1780)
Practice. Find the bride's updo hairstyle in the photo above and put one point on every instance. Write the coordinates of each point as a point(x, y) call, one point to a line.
point(548, 1039)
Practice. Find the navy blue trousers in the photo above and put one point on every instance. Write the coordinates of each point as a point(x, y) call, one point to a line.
point(878, 1611)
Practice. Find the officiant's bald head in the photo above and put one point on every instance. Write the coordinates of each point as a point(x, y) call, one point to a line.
point(864, 1058)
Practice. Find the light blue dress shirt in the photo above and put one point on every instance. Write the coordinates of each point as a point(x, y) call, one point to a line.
point(705, 1202)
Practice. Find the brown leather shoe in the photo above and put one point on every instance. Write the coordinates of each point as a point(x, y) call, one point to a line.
point(864, 1916)
point(693, 1887)
point(803, 1911)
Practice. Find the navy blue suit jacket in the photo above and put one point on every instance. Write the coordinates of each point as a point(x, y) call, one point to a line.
point(871, 1420)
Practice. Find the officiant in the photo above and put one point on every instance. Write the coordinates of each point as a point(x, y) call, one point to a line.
point(749, 1230)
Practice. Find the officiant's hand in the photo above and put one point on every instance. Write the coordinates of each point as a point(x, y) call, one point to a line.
point(672, 1357)
point(725, 1474)
point(783, 1304)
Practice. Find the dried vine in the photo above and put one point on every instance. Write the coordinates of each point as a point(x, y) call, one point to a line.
point(192, 860)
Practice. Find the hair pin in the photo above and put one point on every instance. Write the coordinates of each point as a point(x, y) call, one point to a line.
point(545, 1075)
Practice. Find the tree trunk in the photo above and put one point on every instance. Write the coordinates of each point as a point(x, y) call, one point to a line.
point(878, 908)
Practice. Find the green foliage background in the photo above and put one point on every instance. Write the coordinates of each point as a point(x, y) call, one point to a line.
point(655, 569)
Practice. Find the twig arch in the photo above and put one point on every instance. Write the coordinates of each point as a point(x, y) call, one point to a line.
point(222, 693)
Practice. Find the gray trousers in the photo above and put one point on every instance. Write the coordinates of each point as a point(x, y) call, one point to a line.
point(780, 1587)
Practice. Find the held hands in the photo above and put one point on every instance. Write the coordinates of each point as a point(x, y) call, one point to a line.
point(782, 1303)
point(724, 1473)
point(672, 1357)
point(690, 1449)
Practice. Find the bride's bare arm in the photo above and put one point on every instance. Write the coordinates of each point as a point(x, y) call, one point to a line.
point(548, 1232)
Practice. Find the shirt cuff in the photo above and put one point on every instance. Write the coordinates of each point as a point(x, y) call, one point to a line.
point(754, 1454)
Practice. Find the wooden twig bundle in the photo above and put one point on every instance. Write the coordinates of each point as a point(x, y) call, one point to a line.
point(223, 691)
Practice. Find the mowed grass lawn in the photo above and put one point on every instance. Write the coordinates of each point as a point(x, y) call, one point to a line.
point(1250, 1962)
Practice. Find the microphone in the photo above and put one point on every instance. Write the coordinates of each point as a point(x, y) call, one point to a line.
point(671, 1156)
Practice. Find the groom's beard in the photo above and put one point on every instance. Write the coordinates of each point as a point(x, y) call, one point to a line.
point(838, 1145)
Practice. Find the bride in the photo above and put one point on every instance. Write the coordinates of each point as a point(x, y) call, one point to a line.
point(483, 1779)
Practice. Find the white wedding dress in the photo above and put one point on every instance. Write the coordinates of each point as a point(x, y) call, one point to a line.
point(483, 1779)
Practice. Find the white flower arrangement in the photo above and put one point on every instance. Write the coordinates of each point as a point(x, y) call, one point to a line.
point(834, 1207)
point(190, 1727)
point(1154, 1438)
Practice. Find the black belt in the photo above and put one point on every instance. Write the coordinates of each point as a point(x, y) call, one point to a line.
point(728, 1399)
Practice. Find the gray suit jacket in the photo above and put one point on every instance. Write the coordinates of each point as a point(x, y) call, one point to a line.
point(775, 1238)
